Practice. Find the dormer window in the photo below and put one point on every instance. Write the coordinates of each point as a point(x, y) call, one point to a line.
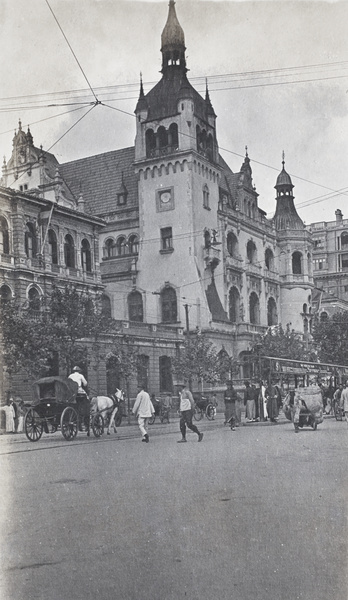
point(122, 198)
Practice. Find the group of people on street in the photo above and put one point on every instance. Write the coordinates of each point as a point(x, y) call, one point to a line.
point(260, 403)
point(14, 412)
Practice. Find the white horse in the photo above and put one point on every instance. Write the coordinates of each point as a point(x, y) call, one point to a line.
point(106, 405)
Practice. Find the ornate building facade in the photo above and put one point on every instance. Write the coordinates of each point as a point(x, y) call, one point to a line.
point(183, 242)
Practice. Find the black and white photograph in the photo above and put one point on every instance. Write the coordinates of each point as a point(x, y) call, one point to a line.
point(173, 299)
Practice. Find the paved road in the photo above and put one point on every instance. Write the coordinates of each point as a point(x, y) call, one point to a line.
point(255, 514)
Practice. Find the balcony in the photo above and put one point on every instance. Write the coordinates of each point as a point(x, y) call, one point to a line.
point(253, 269)
point(234, 263)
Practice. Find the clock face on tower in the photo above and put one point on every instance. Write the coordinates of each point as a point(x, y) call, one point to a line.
point(165, 197)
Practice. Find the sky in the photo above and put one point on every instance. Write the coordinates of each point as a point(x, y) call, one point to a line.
point(277, 74)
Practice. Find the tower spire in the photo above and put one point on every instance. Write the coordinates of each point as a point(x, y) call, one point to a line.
point(173, 42)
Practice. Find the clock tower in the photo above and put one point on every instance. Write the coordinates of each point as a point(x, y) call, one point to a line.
point(177, 162)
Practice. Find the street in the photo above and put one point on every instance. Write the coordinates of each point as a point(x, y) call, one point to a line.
point(259, 513)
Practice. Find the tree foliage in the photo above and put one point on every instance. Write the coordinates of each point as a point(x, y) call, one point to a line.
point(32, 338)
point(282, 343)
point(199, 361)
point(330, 338)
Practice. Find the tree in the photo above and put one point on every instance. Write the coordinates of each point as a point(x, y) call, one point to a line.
point(282, 343)
point(330, 337)
point(123, 356)
point(26, 340)
point(198, 361)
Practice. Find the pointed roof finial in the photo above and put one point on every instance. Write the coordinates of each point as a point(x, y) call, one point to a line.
point(19, 125)
point(141, 85)
point(246, 151)
point(283, 157)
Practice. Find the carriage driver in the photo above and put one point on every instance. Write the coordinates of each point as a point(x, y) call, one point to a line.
point(81, 396)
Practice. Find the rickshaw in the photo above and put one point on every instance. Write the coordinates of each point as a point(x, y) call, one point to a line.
point(54, 407)
point(304, 407)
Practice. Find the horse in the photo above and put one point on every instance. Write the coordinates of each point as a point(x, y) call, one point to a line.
point(108, 406)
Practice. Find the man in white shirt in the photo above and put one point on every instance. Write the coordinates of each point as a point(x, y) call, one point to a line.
point(143, 409)
point(82, 401)
point(186, 411)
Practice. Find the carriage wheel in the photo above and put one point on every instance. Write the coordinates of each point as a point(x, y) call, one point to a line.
point(68, 423)
point(33, 425)
point(314, 425)
point(210, 412)
point(151, 420)
point(338, 414)
point(165, 417)
point(97, 425)
point(197, 413)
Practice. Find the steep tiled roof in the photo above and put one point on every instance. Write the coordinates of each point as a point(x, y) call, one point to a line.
point(229, 180)
point(99, 178)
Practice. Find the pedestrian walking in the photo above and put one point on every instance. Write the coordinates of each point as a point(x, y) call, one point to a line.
point(143, 409)
point(9, 415)
point(186, 412)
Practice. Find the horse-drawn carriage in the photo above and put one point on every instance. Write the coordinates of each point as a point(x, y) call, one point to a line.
point(54, 407)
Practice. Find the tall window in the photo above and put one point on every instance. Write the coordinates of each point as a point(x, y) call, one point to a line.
point(135, 307)
point(106, 306)
point(34, 300)
point(169, 305)
point(143, 371)
point(272, 314)
point(166, 238)
point(269, 259)
point(234, 303)
point(53, 246)
point(69, 251)
point(344, 240)
point(133, 244)
point(86, 259)
point(165, 374)
point(251, 251)
point(5, 294)
point(297, 263)
point(4, 237)
point(110, 249)
point(254, 308)
point(121, 246)
point(206, 197)
point(232, 244)
point(30, 241)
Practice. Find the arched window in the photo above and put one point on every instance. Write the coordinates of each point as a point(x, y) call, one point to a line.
point(69, 251)
point(30, 241)
point(162, 137)
point(304, 308)
point(4, 237)
point(150, 140)
point(143, 371)
point(234, 305)
point(232, 244)
point(169, 305)
point(86, 259)
point(110, 249)
point(106, 306)
point(34, 300)
point(344, 240)
point(272, 313)
point(173, 138)
point(53, 246)
point(135, 307)
point(269, 260)
point(305, 326)
point(121, 246)
point(297, 263)
point(5, 294)
point(165, 374)
point(251, 251)
point(133, 244)
point(254, 308)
